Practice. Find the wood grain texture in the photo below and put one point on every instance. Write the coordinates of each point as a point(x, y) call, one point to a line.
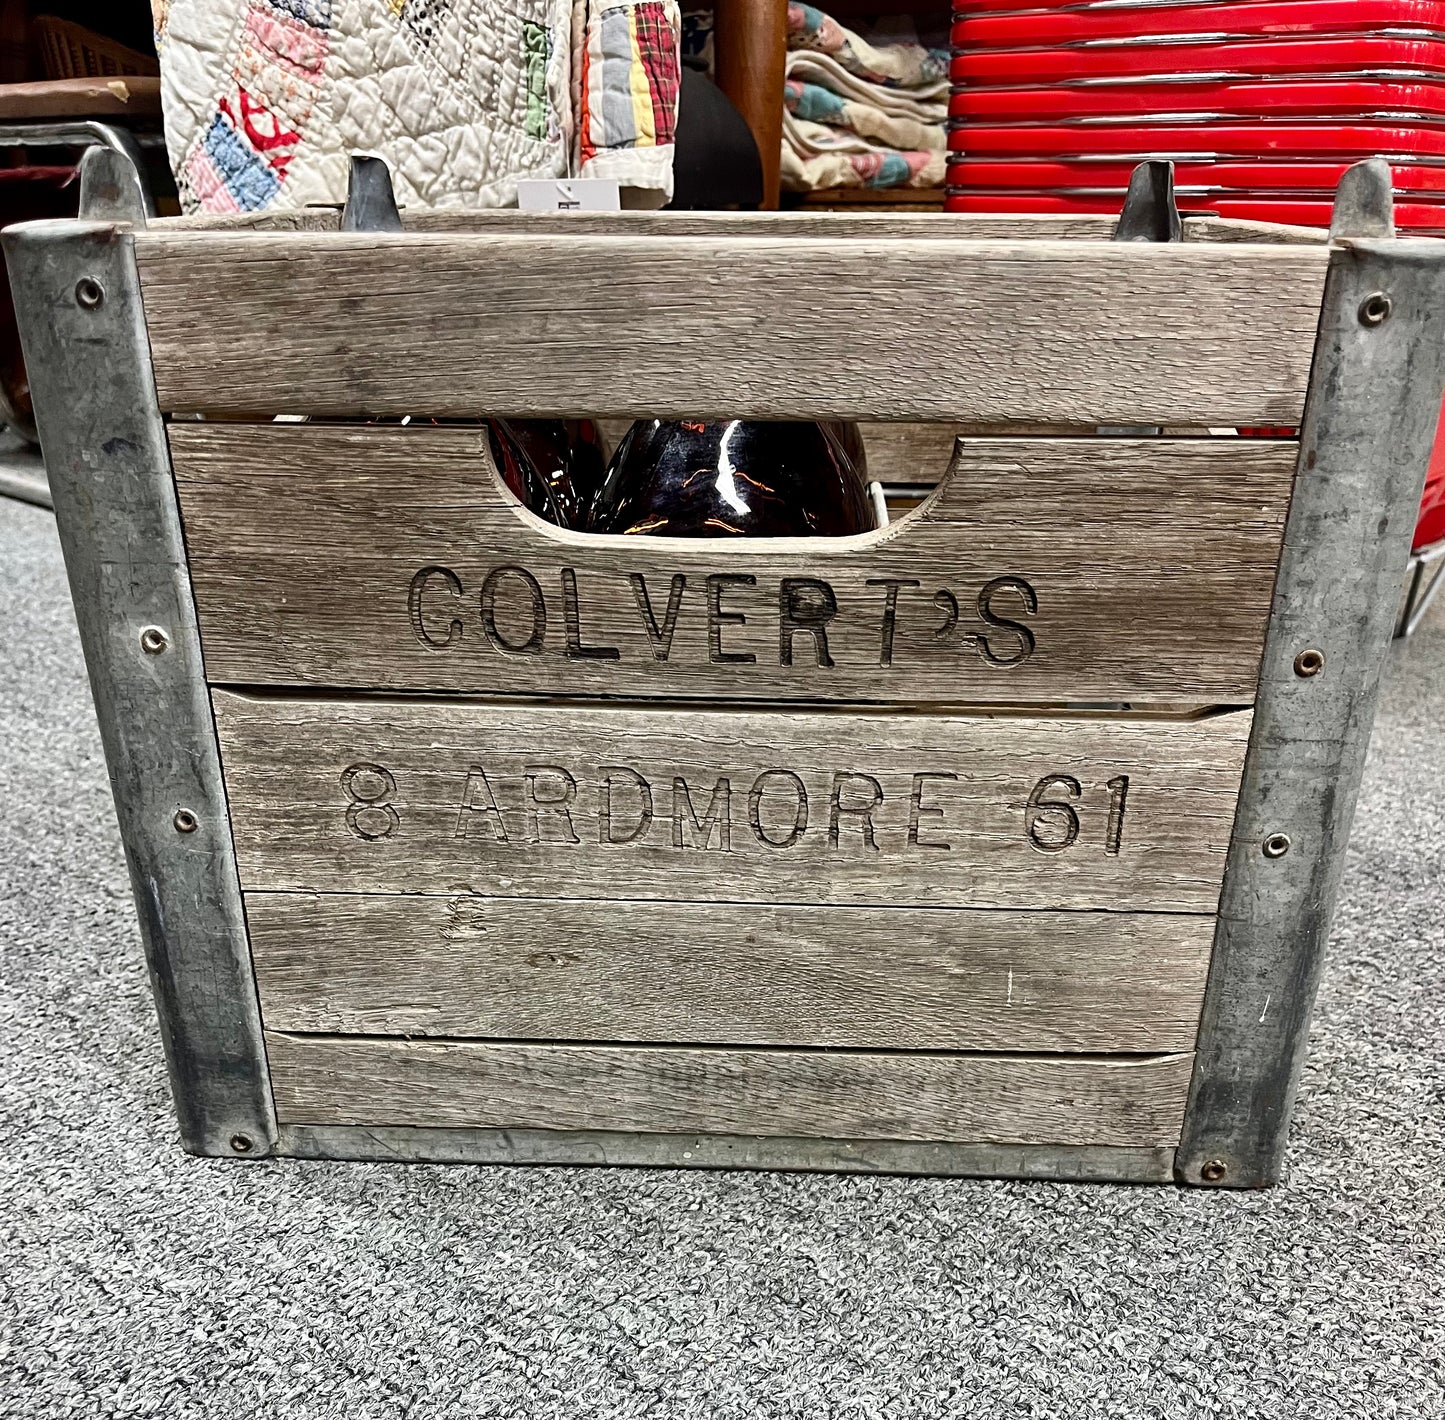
point(1236, 229)
point(1134, 1102)
point(514, 800)
point(376, 1143)
point(432, 324)
point(750, 47)
point(720, 973)
point(1151, 563)
point(973, 226)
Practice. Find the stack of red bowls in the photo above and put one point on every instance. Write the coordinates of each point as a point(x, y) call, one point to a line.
point(1261, 104)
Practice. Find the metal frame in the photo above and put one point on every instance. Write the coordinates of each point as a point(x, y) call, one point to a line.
point(84, 133)
point(1369, 423)
point(1420, 592)
point(1368, 426)
point(78, 302)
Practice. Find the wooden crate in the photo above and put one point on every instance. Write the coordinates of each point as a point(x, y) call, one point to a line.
point(1000, 841)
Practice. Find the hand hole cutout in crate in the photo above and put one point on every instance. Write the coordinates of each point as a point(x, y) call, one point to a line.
point(1051, 570)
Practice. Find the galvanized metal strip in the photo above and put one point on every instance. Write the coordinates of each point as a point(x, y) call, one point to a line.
point(1370, 420)
point(1071, 1164)
point(83, 328)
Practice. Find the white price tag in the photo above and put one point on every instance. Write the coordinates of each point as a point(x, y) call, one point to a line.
point(569, 195)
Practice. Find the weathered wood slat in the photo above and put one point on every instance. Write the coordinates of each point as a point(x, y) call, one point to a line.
point(879, 978)
point(1133, 1102)
point(975, 226)
point(437, 324)
point(391, 557)
point(519, 800)
point(378, 1143)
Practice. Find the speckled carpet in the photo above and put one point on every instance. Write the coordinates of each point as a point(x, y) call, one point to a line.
point(137, 1281)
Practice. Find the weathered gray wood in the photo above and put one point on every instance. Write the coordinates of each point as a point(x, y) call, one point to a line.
point(509, 221)
point(520, 800)
point(1134, 1102)
point(909, 453)
point(1078, 1163)
point(1239, 229)
point(977, 226)
point(868, 977)
point(1150, 562)
point(441, 324)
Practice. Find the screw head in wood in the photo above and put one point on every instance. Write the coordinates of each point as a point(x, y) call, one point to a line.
point(241, 1143)
point(1213, 1171)
point(185, 821)
point(1375, 308)
point(1309, 662)
point(1276, 845)
point(89, 293)
point(153, 640)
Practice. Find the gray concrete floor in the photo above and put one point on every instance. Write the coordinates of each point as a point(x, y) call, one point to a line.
point(137, 1281)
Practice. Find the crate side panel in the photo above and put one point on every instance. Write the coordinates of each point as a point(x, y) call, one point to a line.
point(726, 973)
point(1043, 570)
point(1133, 1102)
point(507, 799)
point(696, 327)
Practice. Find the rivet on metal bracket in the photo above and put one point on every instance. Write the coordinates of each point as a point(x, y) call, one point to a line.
point(1309, 662)
point(185, 821)
point(1375, 308)
point(1276, 845)
point(1213, 1171)
point(89, 293)
point(153, 640)
point(370, 200)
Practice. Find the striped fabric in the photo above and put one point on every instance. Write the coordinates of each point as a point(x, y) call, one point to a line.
point(627, 111)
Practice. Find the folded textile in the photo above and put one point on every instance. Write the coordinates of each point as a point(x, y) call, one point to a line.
point(898, 66)
point(627, 92)
point(875, 168)
point(859, 114)
point(265, 100)
point(928, 104)
point(817, 118)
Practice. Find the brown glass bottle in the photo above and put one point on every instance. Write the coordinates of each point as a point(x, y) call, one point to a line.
point(553, 466)
point(732, 478)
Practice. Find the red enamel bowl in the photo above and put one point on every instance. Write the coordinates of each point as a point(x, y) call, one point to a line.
point(1164, 61)
point(1017, 29)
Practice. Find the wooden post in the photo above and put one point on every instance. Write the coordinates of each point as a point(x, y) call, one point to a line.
point(750, 40)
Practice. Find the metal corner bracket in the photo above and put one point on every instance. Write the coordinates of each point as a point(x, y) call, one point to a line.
point(1370, 419)
point(78, 301)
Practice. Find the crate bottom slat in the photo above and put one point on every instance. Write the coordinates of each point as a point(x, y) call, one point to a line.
point(1078, 1163)
point(1125, 1100)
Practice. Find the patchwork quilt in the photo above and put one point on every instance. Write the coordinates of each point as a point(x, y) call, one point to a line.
point(265, 100)
point(860, 112)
